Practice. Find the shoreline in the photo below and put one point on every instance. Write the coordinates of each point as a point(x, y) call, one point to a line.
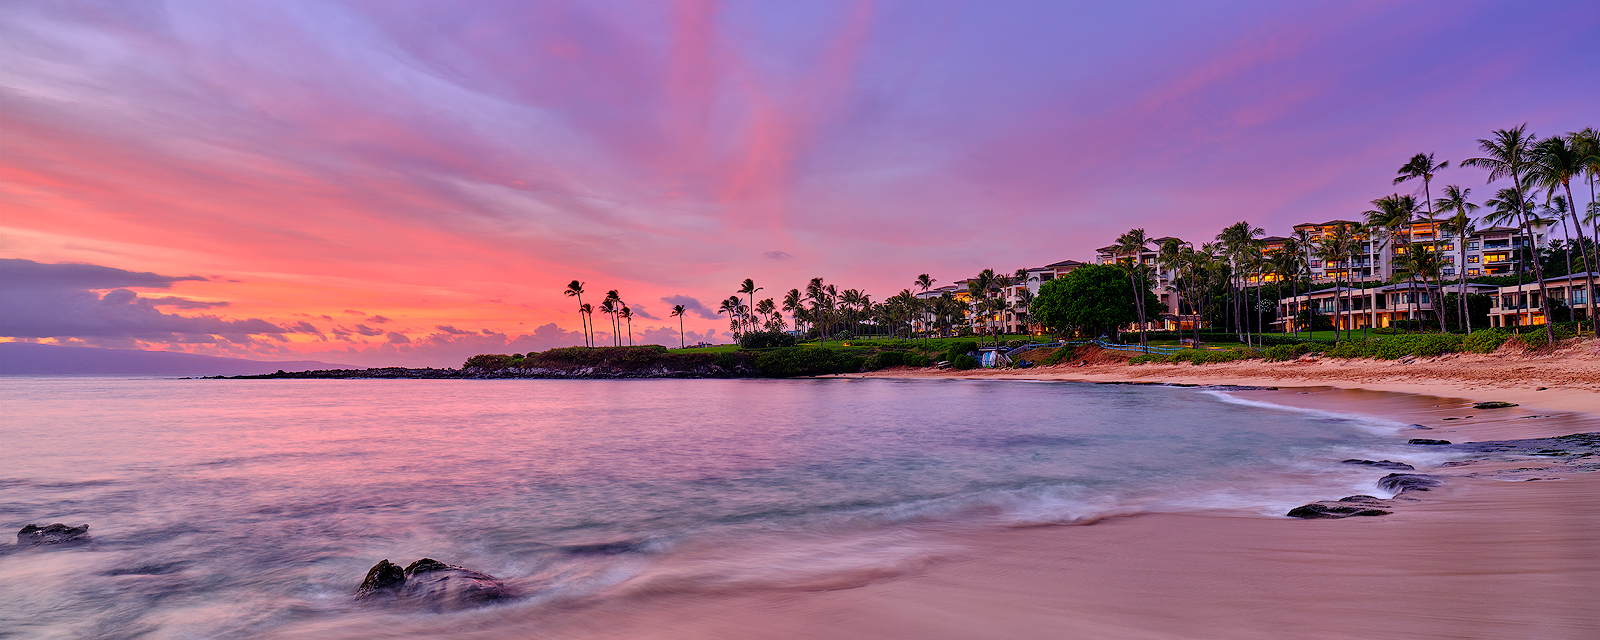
point(1505, 548)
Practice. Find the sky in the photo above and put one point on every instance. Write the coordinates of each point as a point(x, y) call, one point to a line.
point(405, 182)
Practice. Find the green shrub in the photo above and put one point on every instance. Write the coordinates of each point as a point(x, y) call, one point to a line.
point(1055, 357)
point(726, 360)
point(1534, 338)
point(490, 361)
point(883, 360)
point(807, 361)
point(1400, 346)
point(1485, 340)
point(1386, 331)
point(917, 360)
point(959, 347)
point(765, 340)
point(1150, 358)
point(963, 362)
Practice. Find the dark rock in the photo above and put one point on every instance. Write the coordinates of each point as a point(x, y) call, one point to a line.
point(1401, 482)
point(1382, 464)
point(1493, 405)
point(431, 584)
point(604, 548)
point(1362, 498)
point(384, 576)
point(1319, 511)
point(56, 534)
point(1426, 441)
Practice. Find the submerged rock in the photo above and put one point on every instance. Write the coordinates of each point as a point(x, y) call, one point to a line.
point(1493, 405)
point(1402, 482)
point(431, 584)
point(1317, 510)
point(1427, 441)
point(56, 534)
point(1382, 464)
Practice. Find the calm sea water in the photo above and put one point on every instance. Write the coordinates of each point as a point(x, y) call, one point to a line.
point(225, 509)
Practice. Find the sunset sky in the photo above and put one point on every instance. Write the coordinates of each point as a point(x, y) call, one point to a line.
point(411, 182)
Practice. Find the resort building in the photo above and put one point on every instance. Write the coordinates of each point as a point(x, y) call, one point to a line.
point(1518, 305)
point(1359, 308)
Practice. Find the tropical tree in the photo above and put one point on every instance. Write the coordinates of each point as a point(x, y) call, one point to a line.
point(1238, 240)
point(1507, 153)
point(1422, 166)
point(586, 310)
point(978, 288)
point(575, 289)
point(1132, 246)
point(609, 306)
point(1093, 299)
point(1506, 209)
point(769, 312)
point(794, 303)
point(1556, 161)
point(924, 282)
point(677, 311)
point(1334, 247)
point(627, 314)
point(1459, 224)
point(749, 288)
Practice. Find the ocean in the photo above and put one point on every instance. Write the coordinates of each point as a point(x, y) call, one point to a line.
point(254, 508)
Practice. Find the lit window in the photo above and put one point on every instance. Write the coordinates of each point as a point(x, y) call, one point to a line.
point(1472, 259)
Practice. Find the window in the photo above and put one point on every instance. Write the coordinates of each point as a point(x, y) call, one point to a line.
point(1472, 260)
point(1448, 246)
point(1472, 272)
point(1472, 246)
point(1579, 294)
point(1449, 271)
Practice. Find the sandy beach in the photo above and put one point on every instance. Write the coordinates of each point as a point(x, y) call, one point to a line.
point(1504, 549)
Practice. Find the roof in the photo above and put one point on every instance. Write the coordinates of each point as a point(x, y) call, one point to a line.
point(1063, 263)
point(1324, 224)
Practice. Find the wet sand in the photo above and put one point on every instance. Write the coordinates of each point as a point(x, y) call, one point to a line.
point(1488, 555)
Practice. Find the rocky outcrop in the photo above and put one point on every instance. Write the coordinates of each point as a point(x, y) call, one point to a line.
point(1403, 482)
point(1493, 405)
point(1382, 464)
point(1427, 441)
point(432, 585)
point(51, 535)
point(1344, 508)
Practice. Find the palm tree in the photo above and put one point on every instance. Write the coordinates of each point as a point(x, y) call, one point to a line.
point(1132, 244)
point(627, 314)
point(1506, 210)
point(587, 311)
point(609, 307)
point(978, 287)
point(575, 289)
point(748, 287)
point(793, 303)
point(1238, 239)
point(769, 313)
point(1508, 154)
point(1422, 166)
point(677, 311)
point(924, 283)
point(1460, 224)
point(1335, 247)
point(1557, 160)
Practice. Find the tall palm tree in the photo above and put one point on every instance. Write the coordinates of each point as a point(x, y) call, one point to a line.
point(1422, 166)
point(1556, 161)
point(1460, 224)
point(1507, 153)
point(611, 305)
point(924, 282)
point(794, 303)
point(769, 313)
point(1334, 247)
point(978, 287)
point(1507, 210)
point(1238, 240)
point(677, 311)
point(1132, 245)
point(627, 314)
point(587, 311)
point(749, 288)
point(575, 289)
point(608, 306)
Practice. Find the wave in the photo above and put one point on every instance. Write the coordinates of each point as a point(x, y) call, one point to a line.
point(1372, 424)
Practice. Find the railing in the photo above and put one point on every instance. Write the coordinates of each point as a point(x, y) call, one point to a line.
point(1129, 347)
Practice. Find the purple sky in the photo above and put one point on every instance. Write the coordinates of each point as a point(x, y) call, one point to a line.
point(454, 164)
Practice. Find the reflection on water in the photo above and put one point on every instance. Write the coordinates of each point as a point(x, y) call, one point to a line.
point(242, 508)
